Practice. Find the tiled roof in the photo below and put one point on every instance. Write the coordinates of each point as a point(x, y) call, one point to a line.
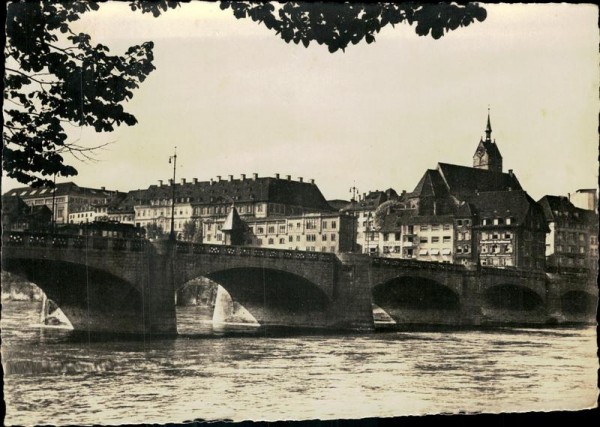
point(462, 180)
point(558, 208)
point(271, 190)
point(372, 200)
point(516, 204)
point(62, 189)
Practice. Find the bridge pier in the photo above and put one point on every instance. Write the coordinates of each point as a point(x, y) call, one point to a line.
point(471, 306)
point(352, 301)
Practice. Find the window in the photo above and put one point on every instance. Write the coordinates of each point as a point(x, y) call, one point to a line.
point(385, 237)
point(435, 227)
point(297, 238)
point(447, 239)
point(323, 248)
point(334, 224)
point(396, 236)
point(332, 237)
point(507, 235)
point(423, 228)
point(282, 228)
point(271, 229)
point(435, 239)
point(446, 227)
point(324, 237)
point(396, 249)
point(459, 222)
point(486, 221)
point(424, 239)
point(290, 238)
point(260, 230)
point(281, 240)
point(459, 250)
point(386, 249)
point(259, 241)
point(270, 240)
point(219, 237)
point(311, 238)
point(324, 224)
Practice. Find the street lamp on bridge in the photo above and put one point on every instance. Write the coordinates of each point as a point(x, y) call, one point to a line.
point(173, 159)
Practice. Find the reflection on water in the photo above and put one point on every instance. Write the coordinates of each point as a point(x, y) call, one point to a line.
point(53, 378)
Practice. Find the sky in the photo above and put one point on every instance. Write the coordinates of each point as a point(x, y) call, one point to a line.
point(234, 99)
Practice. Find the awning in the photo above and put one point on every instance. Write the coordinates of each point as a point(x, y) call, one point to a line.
point(423, 252)
point(446, 252)
point(435, 252)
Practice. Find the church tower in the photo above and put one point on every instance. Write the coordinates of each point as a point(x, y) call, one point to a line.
point(487, 156)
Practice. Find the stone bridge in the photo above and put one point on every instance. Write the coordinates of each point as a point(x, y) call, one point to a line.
point(128, 285)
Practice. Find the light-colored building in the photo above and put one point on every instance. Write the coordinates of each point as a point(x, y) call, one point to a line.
point(203, 202)
point(318, 232)
point(365, 221)
point(64, 199)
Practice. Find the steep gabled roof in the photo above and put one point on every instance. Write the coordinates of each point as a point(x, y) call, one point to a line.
point(233, 222)
point(516, 204)
point(431, 185)
point(461, 180)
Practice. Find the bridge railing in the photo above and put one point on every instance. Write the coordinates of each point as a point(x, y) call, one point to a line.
point(248, 251)
point(66, 241)
point(408, 263)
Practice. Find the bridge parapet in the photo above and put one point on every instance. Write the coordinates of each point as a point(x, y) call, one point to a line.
point(245, 251)
point(513, 272)
point(409, 263)
point(69, 241)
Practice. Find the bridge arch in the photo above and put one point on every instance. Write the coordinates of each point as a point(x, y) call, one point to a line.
point(512, 297)
point(92, 299)
point(579, 302)
point(274, 297)
point(417, 299)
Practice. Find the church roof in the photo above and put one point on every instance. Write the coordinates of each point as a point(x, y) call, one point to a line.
point(491, 148)
point(462, 180)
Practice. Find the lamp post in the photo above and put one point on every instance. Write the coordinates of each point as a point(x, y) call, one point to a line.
point(353, 190)
point(54, 206)
point(173, 159)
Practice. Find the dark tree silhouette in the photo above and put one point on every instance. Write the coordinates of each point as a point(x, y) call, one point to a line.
point(55, 77)
point(338, 24)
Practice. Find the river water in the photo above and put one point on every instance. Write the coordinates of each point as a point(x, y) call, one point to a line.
point(51, 377)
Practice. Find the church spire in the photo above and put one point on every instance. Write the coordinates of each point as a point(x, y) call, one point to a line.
point(488, 129)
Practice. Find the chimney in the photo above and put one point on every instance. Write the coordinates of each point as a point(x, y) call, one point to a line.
point(288, 177)
point(211, 181)
point(183, 180)
point(219, 178)
point(160, 181)
point(254, 176)
point(230, 178)
point(103, 188)
point(510, 172)
point(243, 177)
point(195, 180)
point(403, 192)
point(312, 181)
point(300, 179)
point(170, 182)
point(276, 176)
point(364, 196)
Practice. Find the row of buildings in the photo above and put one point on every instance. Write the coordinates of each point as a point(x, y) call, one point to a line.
point(455, 214)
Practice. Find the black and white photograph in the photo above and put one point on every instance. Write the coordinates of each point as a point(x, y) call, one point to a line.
point(287, 211)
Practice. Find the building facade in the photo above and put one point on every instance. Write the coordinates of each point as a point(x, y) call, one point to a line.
point(317, 232)
point(64, 199)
